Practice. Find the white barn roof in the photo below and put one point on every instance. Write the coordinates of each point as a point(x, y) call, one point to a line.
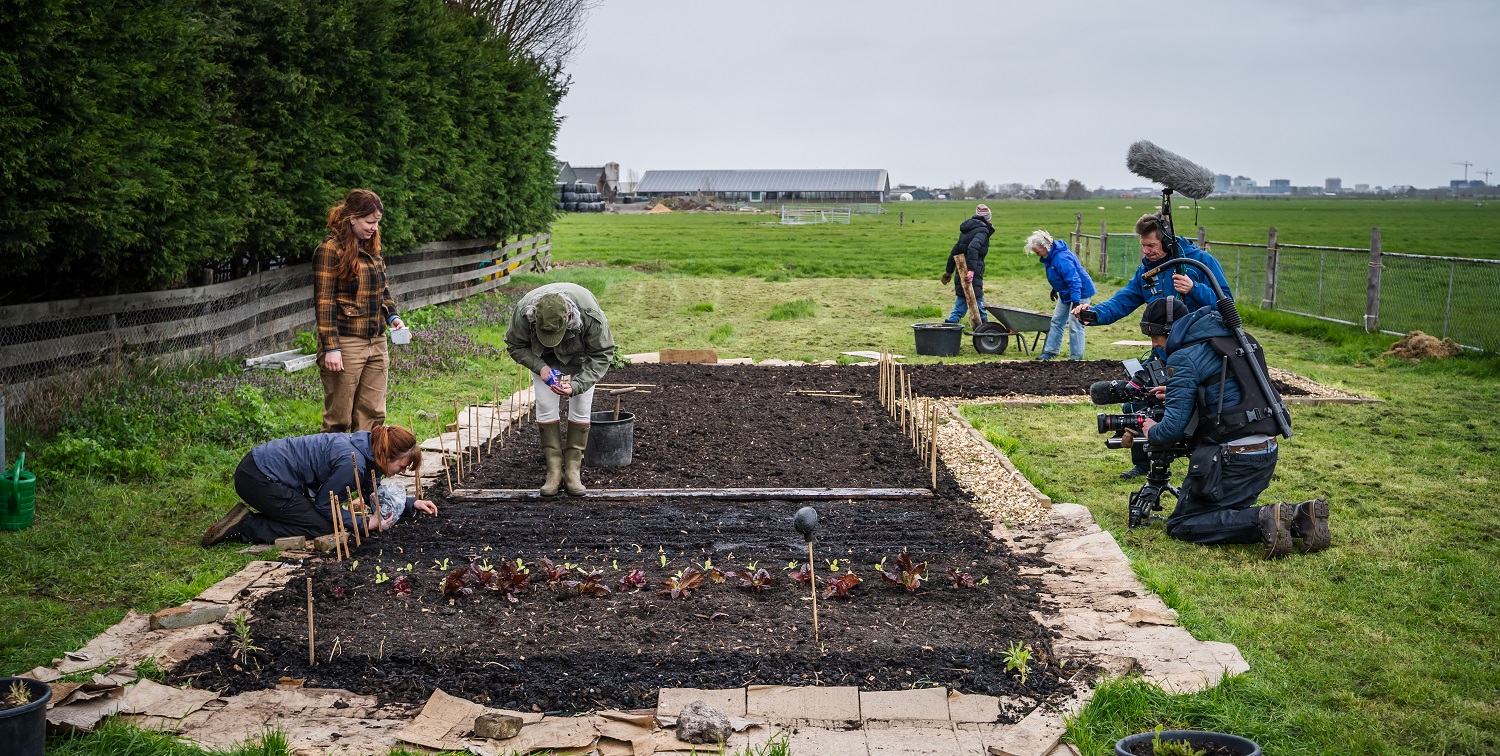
point(838, 180)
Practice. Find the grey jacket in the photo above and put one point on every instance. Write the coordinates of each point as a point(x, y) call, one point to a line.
point(584, 353)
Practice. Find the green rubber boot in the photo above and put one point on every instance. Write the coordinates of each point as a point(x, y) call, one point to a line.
point(552, 450)
point(578, 440)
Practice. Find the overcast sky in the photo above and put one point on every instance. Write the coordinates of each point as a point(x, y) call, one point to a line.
point(1371, 91)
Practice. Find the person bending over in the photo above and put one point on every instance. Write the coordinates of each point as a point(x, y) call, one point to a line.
point(1071, 286)
point(973, 243)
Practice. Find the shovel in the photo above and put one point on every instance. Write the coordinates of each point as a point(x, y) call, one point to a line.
point(616, 394)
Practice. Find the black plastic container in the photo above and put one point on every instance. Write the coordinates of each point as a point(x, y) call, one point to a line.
point(23, 730)
point(1245, 746)
point(611, 441)
point(938, 339)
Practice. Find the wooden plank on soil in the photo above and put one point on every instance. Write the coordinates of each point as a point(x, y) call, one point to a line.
point(722, 494)
point(696, 356)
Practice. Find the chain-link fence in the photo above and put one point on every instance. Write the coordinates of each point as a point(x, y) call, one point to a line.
point(1391, 292)
point(234, 317)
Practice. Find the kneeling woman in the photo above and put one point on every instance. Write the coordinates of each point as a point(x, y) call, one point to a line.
point(287, 481)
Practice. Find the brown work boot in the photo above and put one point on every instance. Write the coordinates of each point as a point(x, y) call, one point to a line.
point(1310, 523)
point(578, 440)
point(227, 527)
point(552, 450)
point(1276, 529)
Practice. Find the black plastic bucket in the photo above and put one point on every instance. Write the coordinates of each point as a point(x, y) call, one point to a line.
point(1244, 746)
point(938, 339)
point(611, 441)
point(23, 730)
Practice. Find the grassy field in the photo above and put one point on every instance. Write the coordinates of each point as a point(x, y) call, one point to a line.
point(1380, 645)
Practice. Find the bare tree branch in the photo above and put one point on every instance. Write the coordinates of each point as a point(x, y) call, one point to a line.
point(549, 31)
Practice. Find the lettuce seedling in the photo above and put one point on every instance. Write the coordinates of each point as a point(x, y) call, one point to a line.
point(401, 586)
point(683, 583)
point(589, 586)
point(841, 585)
point(961, 579)
point(803, 575)
point(908, 574)
point(553, 572)
point(512, 580)
point(757, 580)
point(456, 584)
point(633, 582)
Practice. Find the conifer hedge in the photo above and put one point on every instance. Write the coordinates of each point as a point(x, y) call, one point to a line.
point(141, 140)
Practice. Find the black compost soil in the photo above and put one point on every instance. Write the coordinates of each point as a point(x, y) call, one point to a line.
point(1035, 378)
point(553, 650)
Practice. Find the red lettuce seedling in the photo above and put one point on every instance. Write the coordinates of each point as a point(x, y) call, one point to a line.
point(683, 583)
point(456, 584)
point(401, 586)
point(841, 585)
point(512, 581)
point(553, 572)
point(633, 582)
point(908, 574)
point(589, 586)
point(961, 579)
point(756, 581)
point(803, 574)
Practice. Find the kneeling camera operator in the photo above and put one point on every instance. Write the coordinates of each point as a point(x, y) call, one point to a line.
point(1214, 412)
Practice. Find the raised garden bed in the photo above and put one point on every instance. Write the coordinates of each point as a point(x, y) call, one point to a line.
point(552, 649)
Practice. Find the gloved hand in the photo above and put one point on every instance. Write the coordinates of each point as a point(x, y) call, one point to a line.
point(947, 277)
point(1054, 296)
point(970, 279)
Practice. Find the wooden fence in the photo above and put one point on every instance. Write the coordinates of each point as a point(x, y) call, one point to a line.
point(1389, 292)
point(240, 316)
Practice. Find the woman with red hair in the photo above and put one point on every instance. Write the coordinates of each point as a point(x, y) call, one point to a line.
point(287, 483)
point(354, 307)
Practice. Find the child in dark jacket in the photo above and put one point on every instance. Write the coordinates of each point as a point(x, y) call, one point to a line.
point(287, 483)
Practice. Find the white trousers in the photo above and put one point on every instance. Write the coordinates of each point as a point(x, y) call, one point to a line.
point(548, 404)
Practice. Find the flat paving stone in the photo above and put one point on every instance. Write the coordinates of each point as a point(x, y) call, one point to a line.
point(912, 741)
point(921, 703)
point(670, 701)
point(783, 703)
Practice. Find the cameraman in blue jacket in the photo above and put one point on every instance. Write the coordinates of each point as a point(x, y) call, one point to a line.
point(1071, 287)
point(1187, 283)
point(1216, 408)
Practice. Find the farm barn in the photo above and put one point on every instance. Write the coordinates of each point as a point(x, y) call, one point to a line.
point(840, 184)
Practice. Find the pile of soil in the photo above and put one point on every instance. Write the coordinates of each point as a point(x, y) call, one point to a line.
point(1417, 346)
point(1031, 378)
point(553, 650)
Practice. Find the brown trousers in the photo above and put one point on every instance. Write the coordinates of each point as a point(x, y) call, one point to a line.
point(354, 398)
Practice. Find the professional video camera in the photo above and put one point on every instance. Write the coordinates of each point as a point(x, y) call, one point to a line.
point(1140, 403)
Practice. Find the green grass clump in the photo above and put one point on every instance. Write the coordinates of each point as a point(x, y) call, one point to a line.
point(700, 307)
point(913, 312)
point(801, 308)
point(116, 738)
point(720, 334)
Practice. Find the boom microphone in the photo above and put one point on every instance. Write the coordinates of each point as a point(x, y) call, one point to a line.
point(1170, 170)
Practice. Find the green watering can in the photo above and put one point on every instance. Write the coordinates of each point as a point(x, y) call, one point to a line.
point(17, 497)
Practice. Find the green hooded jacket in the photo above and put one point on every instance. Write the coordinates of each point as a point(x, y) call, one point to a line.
point(584, 353)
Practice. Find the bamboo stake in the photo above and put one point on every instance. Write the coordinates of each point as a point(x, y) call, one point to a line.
point(374, 499)
point(349, 497)
point(934, 447)
point(338, 521)
point(458, 444)
point(312, 657)
point(362, 503)
point(494, 415)
point(447, 472)
point(813, 581)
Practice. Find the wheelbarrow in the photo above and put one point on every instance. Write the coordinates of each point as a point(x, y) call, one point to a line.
point(989, 337)
point(1006, 322)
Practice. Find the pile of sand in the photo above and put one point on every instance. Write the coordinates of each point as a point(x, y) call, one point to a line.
point(1417, 346)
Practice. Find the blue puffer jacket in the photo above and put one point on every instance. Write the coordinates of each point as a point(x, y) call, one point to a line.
point(1066, 273)
point(1138, 292)
point(318, 464)
point(1191, 361)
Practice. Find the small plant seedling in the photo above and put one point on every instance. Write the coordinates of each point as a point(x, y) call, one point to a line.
point(553, 572)
point(589, 586)
point(512, 581)
point(803, 575)
point(1018, 660)
point(663, 561)
point(441, 566)
point(614, 564)
point(961, 579)
point(1172, 747)
point(833, 565)
point(401, 586)
point(633, 582)
point(17, 695)
point(985, 580)
point(380, 576)
point(242, 645)
point(792, 565)
point(682, 584)
point(908, 573)
point(463, 581)
point(841, 585)
point(755, 580)
point(354, 565)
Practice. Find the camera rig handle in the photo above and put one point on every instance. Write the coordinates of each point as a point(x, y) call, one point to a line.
point(1231, 316)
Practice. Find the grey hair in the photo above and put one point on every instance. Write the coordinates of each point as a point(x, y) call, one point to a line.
point(1038, 238)
point(575, 318)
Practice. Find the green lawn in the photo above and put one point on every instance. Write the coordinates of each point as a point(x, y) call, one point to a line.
point(1380, 645)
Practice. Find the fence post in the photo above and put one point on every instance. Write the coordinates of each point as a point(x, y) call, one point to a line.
point(1372, 289)
point(1103, 250)
point(1075, 239)
point(1202, 238)
point(1269, 303)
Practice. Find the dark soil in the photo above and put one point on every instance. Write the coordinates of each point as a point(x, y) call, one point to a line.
point(556, 651)
point(1036, 378)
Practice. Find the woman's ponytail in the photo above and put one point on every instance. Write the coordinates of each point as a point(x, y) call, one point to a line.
point(393, 442)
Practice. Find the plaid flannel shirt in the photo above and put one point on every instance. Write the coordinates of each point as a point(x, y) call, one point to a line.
point(359, 308)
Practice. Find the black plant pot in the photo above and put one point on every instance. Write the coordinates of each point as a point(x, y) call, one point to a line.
point(23, 730)
point(1243, 746)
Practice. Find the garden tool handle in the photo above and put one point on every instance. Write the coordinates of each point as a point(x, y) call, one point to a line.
point(15, 499)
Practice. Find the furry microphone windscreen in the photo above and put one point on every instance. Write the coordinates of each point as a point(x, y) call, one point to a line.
point(1169, 169)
